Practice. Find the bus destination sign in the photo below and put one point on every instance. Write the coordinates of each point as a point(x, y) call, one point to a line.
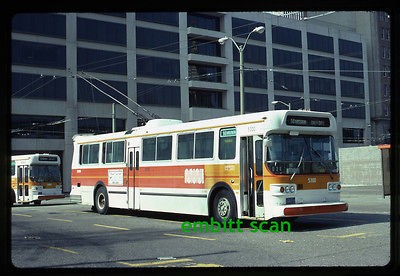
point(307, 121)
point(47, 158)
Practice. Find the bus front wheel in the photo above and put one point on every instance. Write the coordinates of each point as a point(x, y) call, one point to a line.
point(101, 201)
point(224, 207)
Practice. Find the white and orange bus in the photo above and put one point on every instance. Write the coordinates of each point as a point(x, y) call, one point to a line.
point(35, 177)
point(262, 165)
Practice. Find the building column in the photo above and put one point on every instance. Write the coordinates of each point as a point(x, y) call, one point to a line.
point(304, 52)
point(131, 119)
point(226, 52)
point(339, 135)
point(183, 67)
point(270, 63)
point(71, 112)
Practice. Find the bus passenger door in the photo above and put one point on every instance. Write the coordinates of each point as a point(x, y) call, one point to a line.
point(23, 183)
point(251, 185)
point(133, 167)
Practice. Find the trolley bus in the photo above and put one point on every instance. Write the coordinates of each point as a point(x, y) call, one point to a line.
point(35, 177)
point(262, 165)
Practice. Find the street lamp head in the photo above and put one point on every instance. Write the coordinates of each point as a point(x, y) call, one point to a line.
point(222, 40)
point(274, 102)
point(259, 29)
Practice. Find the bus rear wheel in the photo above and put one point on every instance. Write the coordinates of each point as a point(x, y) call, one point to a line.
point(101, 201)
point(224, 207)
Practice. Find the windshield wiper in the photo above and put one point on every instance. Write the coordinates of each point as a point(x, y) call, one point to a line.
point(321, 162)
point(298, 165)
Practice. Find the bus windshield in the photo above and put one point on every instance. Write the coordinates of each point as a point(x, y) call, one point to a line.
point(302, 154)
point(43, 173)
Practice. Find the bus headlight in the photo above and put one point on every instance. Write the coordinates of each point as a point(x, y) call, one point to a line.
point(283, 189)
point(333, 186)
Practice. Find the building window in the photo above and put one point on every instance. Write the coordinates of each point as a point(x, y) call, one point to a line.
point(99, 125)
point(101, 61)
point(351, 69)
point(286, 36)
point(88, 93)
point(242, 28)
point(295, 102)
point(167, 18)
point(204, 47)
point(38, 54)
point(290, 82)
point(157, 67)
point(386, 89)
point(161, 95)
point(321, 64)
point(38, 86)
point(200, 72)
point(205, 98)
point(320, 42)
point(322, 86)
point(46, 24)
point(203, 21)
point(252, 54)
point(100, 31)
point(115, 14)
point(350, 48)
point(252, 78)
point(37, 127)
point(157, 40)
point(323, 106)
point(353, 135)
point(287, 59)
point(353, 110)
point(253, 102)
point(352, 89)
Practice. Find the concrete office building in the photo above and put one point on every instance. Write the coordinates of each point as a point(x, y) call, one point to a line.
point(374, 26)
point(173, 66)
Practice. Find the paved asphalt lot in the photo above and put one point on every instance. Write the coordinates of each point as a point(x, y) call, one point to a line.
point(63, 234)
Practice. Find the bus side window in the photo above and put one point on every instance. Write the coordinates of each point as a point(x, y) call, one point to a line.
point(26, 174)
point(137, 160)
point(19, 174)
point(12, 168)
point(259, 164)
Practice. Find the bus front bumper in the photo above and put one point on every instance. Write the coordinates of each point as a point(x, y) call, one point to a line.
point(295, 210)
point(48, 197)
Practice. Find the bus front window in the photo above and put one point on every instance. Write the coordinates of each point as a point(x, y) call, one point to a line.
point(302, 154)
point(45, 173)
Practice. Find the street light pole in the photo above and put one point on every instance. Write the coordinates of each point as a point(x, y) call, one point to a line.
point(241, 83)
point(259, 29)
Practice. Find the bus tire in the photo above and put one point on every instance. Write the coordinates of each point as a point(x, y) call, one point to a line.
point(224, 206)
point(37, 202)
point(101, 200)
